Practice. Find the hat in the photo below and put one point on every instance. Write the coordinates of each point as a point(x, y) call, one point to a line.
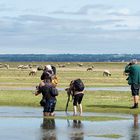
point(48, 67)
point(133, 61)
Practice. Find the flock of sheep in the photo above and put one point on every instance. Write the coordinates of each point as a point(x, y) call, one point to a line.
point(35, 68)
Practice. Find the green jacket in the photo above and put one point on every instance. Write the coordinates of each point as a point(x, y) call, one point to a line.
point(134, 74)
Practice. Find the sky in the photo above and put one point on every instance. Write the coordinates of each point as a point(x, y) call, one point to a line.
point(69, 27)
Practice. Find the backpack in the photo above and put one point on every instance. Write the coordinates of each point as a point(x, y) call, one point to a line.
point(54, 92)
point(78, 85)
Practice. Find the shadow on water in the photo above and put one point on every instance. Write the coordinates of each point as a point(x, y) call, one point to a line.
point(108, 106)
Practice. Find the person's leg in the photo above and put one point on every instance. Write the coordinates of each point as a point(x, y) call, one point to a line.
point(135, 94)
point(52, 114)
point(46, 114)
point(74, 110)
point(80, 109)
point(75, 99)
point(135, 101)
point(52, 107)
point(46, 110)
point(80, 97)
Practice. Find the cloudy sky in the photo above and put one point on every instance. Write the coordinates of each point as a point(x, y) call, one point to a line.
point(69, 26)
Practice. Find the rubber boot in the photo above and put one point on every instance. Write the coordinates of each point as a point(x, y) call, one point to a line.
point(135, 106)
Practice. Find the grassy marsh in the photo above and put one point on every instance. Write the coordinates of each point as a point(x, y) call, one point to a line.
point(97, 101)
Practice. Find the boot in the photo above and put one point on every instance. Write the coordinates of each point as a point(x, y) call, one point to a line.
point(135, 106)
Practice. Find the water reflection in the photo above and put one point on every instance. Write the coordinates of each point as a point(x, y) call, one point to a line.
point(135, 121)
point(27, 121)
point(78, 132)
point(135, 129)
point(48, 126)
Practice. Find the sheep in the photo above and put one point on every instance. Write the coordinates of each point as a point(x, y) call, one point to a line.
point(80, 65)
point(106, 73)
point(90, 68)
point(33, 72)
point(61, 66)
point(39, 68)
point(4, 66)
point(1, 66)
point(25, 67)
point(19, 66)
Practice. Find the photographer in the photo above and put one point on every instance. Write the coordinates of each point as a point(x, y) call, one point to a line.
point(133, 71)
point(49, 93)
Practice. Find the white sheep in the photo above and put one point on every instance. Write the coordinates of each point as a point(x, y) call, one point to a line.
point(106, 73)
point(33, 72)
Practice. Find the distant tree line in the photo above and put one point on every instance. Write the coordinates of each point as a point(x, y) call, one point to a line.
point(68, 57)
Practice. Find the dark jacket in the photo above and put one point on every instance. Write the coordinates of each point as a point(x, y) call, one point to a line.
point(134, 74)
point(48, 91)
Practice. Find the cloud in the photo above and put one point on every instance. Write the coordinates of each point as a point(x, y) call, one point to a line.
point(96, 26)
point(4, 8)
point(120, 12)
point(84, 10)
point(40, 26)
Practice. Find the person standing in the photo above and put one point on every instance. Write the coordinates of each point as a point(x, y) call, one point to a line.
point(133, 71)
point(49, 93)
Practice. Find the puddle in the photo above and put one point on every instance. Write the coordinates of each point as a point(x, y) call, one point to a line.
point(62, 89)
point(26, 123)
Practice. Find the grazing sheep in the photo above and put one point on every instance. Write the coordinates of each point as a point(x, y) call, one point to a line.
point(106, 73)
point(39, 68)
point(33, 72)
point(19, 66)
point(4, 66)
point(25, 67)
point(90, 68)
point(61, 66)
point(80, 65)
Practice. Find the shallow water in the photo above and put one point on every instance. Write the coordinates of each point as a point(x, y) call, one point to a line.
point(62, 89)
point(26, 123)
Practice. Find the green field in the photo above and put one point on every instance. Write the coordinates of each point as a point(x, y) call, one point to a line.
point(94, 101)
point(14, 77)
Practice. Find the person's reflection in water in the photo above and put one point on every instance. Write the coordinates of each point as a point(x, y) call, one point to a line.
point(48, 127)
point(77, 133)
point(77, 124)
point(135, 129)
point(135, 120)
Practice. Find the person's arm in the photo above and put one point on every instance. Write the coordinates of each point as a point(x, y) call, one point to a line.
point(38, 88)
point(127, 68)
